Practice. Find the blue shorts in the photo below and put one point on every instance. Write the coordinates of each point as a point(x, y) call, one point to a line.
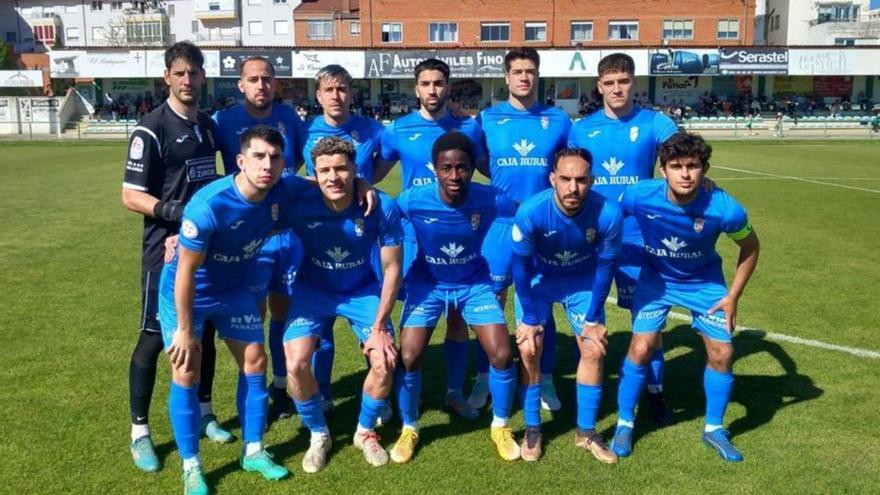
point(632, 257)
point(410, 247)
point(569, 293)
point(312, 309)
point(234, 314)
point(654, 298)
point(276, 267)
point(498, 251)
point(425, 303)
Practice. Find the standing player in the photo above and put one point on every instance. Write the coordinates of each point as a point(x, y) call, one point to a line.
point(221, 232)
point(522, 136)
point(565, 242)
point(450, 220)
point(171, 155)
point(338, 279)
point(333, 93)
point(623, 140)
point(681, 223)
point(409, 139)
point(280, 255)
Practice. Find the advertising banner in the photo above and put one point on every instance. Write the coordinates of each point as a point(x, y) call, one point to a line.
point(21, 78)
point(833, 86)
point(687, 90)
point(827, 62)
point(569, 63)
point(307, 63)
point(462, 63)
point(71, 64)
point(230, 61)
point(685, 62)
point(753, 61)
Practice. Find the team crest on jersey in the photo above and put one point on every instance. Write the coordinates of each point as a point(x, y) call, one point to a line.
point(698, 225)
point(545, 123)
point(359, 227)
point(633, 133)
point(136, 152)
point(591, 235)
point(274, 212)
point(475, 221)
point(189, 229)
point(356, 136)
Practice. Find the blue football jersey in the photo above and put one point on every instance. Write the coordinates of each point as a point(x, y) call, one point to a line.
point(338, 247)
point(521, 146)
point(365, 133)
point(564, 246)
point(229, 230)
point(680, 240)
point(450, 238)
point(233, 121)
point(410, 139)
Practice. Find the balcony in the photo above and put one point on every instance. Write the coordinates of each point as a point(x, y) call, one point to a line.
point(218, 39)
point(215, 9)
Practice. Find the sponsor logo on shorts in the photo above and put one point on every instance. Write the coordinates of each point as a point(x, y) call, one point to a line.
point(302, 321)
point(246, 322)
point(485, 307)
point(650, 315)
point(189, 229)
point(715, 320)
point(415, 309)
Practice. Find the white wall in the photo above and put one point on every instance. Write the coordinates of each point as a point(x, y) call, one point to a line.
point(267, 12)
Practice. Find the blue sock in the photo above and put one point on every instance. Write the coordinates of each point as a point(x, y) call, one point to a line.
point(322, 361)
point(502, 384)
point(408, 387)
point(255, 406)
point(276, 348)
point(717, 387)
point(532, 405)
point(482, 358)
point(548, 354)
point(370, 408)
point(456, 363)
point(311, 414)
point(655, 372)
point(183, 407)
point(588, 399)
point(240, 398)
point(632, 379)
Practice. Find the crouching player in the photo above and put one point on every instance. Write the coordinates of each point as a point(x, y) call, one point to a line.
point(221, 232)
point(681, 223)
point(565, 242)
point(336, 278)
point(450, 220)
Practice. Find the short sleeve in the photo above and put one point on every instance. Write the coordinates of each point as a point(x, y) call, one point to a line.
point(735, 220)
point(610, 231)
point(388, 149)
point(403, 203)
point(522, 234)
point(391, 230)
point(664, 127)
point(627, 202)
point(504, 206)
point(143, 164)
point(196, 227)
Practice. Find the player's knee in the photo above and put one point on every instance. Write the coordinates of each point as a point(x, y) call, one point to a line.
point(380, 370)
point(640, 349)
point(185, 378)
point(411, 359)
point(499, 357)
point(591, 355)
point(720, 356)
point(255, 362)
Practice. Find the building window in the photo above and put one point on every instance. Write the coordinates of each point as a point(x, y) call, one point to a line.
point(494, 31)
point(837, 12)
point(72, 34)
point(278, 2)
point(443, 32)
point(581, 31)
point(623, 30)
point(98, 5)
point(678, 29)
point(844, 41)
point(536, 31)
point(11, 37)
point(213, 5)
point(255, 28)
point(392, 32)
point(98, 33)
point(354, 28)
point(728, 29)
point(70, 9)
point(195, 26)
point(45, 34)
point(282, 27)
point(115, 5)
point(144, 32)
point(320, 30)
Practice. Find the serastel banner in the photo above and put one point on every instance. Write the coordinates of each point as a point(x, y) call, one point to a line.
point(462, 63)
point(736, 61)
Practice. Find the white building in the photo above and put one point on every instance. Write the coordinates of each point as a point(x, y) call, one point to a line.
point(267, 22)
point(824, 22)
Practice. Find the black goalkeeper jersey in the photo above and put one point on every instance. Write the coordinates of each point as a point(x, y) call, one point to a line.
point(169, 158)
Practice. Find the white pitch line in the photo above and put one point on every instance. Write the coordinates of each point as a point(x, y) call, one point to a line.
point(801, 179)
point(763, 334)
point(868, 179)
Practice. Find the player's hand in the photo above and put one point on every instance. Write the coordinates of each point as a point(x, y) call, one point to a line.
point(381, 341)
point(183, 345)
point(727, 304)
point(709, 185)
point(596, 335)
point(528, 338)
point(366, 193)
point(171, 248)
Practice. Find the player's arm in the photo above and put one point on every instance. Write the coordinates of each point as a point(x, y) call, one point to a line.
point(381, 168)
point(610, 242)
point(749, 247)
point(387, 156)
point(380, 339)
point(185, 341)
point(529, 331)
point(143, 168)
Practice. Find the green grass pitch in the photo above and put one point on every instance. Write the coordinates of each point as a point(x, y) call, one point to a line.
point(806, 418)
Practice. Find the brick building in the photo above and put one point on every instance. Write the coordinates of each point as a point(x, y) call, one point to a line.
point(556, 23)
point(327, 23)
